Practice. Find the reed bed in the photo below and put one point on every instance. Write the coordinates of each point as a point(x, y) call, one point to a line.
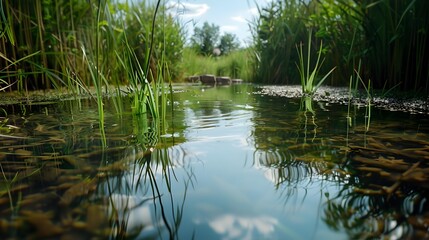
point(77, 45)
point(388, 38)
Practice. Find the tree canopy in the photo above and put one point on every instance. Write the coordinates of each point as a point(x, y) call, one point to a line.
point(207, 38)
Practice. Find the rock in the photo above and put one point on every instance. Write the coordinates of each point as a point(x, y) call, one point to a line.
point(208, 79)
point(223, 80)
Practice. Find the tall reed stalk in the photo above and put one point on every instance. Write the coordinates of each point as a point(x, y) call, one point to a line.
point(309, 75)
point(276, 32)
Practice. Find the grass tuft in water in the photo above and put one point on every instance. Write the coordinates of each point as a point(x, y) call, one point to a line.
point(309, 76)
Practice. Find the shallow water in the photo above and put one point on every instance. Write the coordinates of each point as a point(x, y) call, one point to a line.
point(234, 163)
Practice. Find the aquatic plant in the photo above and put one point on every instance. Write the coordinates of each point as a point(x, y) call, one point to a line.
point(368, 101)
point(309, 76)
point(354, 81)
point(353, 92)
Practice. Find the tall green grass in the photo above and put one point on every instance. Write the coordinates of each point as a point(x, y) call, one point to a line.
point(397, 40)
point(237, 64)
point(91, 47)
point(276, 32)
point(309, 75)
point(53, 44)
point(389, 38)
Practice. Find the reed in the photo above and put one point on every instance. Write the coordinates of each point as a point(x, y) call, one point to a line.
point(368, 90)
point(92, 47)
point(276, 32)
point(308, 75)
point(57, 42)
point(388, 37)
point(396, 43)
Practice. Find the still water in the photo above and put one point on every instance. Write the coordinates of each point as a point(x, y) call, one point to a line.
point(232, 163)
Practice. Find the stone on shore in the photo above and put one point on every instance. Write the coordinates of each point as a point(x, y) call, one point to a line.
point(208, 79)
point(223, 80)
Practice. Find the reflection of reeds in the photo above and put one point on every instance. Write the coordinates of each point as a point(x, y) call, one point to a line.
point(368, 101)
point(8, 185)
point(385, 190)
point(60, 157)
point(307, 106)
point(140, 189)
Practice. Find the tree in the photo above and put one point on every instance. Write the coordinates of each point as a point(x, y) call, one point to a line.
point(205, 39)
point(228, 43)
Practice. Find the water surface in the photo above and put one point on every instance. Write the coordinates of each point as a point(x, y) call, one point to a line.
point(233, 163)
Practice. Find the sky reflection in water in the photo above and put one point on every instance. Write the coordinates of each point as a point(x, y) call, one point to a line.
point(237, 165)
point(234, 195)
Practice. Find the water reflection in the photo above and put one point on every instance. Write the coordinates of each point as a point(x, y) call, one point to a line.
point(141, 202)
point(379, 170)
point(229, 164)
point(386, 195)
point(289, 146)
point(58, 181)
point(237, 227)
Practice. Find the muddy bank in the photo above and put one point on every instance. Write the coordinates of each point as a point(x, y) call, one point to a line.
point(341, 95)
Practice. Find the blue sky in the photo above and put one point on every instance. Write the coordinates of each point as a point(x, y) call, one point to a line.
point(231, 16)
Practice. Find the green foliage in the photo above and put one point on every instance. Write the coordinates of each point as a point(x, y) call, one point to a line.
point(228, 43)
point(205, 38)
point(88, 46)
point(389, 38)
point(276, 33)
point(168, 41)
point(308, 75)
point(396, 34)
point(235, 65)
point(66, 38)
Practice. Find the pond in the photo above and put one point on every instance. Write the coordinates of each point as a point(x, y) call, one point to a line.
point(233, 163)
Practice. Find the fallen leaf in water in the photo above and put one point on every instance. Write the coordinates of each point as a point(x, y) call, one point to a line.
point(23, 152)
point(49, 174)
point(35, 199)
point(40, 128)
point(95, 218)
point(78, 190)
point(56, 139)
point(42, 222)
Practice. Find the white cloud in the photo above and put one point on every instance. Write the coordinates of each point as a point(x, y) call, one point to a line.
point(253, 11)
point(187, 10)
point(239, 19)
point(233, 227)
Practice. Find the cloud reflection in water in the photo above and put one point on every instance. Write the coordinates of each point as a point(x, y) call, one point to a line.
point(230, 226)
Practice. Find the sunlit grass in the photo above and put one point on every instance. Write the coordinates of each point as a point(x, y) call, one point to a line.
point(235, 65)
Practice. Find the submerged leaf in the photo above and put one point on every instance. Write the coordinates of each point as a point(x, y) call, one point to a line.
point(43, 224)
point(78, 190)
